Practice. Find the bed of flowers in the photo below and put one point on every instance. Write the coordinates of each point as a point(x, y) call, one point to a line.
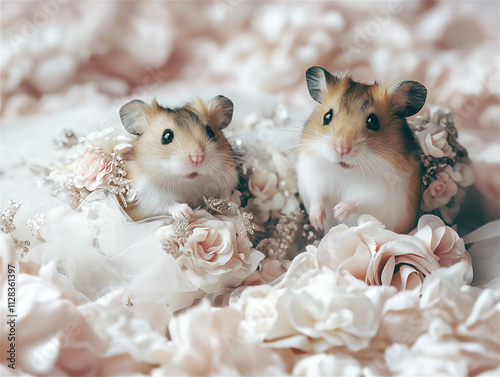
point(248, 278)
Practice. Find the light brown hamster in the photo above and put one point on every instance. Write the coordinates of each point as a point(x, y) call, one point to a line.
point(178, 156)
point(357, 153)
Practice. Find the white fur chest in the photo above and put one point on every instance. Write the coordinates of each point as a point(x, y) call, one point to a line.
point(158, 197)
point(381, 193)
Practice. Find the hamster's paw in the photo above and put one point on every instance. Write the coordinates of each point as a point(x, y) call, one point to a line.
point(317, 216)
point(343, 210)
point(182, 211)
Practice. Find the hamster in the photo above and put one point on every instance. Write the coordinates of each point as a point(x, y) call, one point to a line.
point(357, 154)
point(179, 156)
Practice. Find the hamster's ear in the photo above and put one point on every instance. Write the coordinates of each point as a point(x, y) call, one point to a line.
point(222, 111)
point(133, 116)
point(409, 97)
point(319, 81)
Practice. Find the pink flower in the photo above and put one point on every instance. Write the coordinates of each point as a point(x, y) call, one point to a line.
point(402, 263)
point(433, 141)
point(443, 242)
point(92, 170)
point(378, 256)
point(439, 192)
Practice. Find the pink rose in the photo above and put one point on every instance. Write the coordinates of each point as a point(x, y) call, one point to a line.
point(381, 257)
point(92, 170)
point(439, 192)
point(461, 173)
point(388, 264)
point(433, 141)
point(443, 242)
point(218, 246)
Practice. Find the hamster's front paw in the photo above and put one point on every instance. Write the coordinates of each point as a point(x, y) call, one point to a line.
point(343, 210)
point(317, 216)
point(182, 211)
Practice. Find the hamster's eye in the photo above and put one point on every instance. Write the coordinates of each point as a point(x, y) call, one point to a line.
point(327, 118)
point(167, 137)
point(210, 133)
point(372, 122)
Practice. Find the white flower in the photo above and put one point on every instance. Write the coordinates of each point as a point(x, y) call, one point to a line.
point(111, 139)
point(322, 315)
point(258, 306)
point(205, 341)
point(433, 141)
point(439, 192)
point(92, 170)
point(323, 365)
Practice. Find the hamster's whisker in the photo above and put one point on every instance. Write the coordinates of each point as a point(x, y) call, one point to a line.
point(384, 163)
point(296, 110)
point(383, 153)
point(377, 144)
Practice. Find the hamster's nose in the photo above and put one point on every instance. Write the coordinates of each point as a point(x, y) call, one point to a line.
point(342, 146)
point(197, 158)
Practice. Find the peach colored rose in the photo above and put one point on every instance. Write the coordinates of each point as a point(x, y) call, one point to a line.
point(263, 185)
point(214, 247)
point(267, 197)
point(433, 141)
point(439, 192)
point(92, 170)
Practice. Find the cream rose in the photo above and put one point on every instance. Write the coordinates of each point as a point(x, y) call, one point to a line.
point(439, 192)
point(263, 185)
point(267, 197)
point(322, 315)
point(92, 170)
point(433, 141)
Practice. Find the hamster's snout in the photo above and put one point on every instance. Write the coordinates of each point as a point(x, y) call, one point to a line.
point(197, 158)
point(342, 146)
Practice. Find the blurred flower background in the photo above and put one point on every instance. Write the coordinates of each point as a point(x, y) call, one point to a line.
point(61, 56)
